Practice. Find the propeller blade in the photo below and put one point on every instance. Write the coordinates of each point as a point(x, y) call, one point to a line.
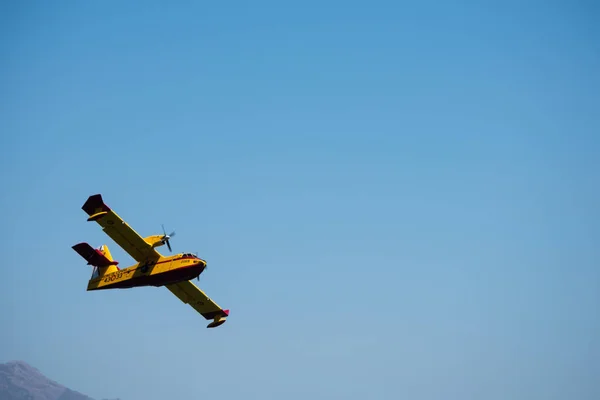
point(165, 238)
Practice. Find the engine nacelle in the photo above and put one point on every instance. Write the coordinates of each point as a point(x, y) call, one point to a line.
point(154, 240)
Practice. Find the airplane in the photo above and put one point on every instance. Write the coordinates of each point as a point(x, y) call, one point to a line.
point(152, 268)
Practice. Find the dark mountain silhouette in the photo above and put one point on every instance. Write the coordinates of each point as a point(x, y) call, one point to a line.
point(21, 381)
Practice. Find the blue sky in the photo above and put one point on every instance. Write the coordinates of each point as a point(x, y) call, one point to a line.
point(395, 200)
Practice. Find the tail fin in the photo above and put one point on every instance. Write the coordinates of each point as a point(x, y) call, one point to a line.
point(104, 250)
point(99, 258)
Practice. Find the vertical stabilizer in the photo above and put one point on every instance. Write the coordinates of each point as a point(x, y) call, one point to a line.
point(104, 250)
point(111, 268)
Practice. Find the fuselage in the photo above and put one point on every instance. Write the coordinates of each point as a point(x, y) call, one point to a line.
point(162, 271)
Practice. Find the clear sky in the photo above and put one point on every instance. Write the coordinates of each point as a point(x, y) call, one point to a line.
point(395, 199)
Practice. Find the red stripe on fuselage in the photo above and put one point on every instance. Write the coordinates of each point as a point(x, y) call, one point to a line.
point(184, 273)
point(176, 259)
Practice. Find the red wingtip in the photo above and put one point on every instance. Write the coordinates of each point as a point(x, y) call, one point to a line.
point(226, 312)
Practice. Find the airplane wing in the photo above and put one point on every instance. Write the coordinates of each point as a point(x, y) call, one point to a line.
point(190, 294)
point(118, 230)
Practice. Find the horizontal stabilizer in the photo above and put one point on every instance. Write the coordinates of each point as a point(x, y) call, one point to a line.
point(93, 256)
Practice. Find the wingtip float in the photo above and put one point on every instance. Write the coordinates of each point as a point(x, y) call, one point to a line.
point(152, 268)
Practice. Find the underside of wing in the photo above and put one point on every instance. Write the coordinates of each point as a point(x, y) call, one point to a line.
point(118, 230)
point(190, 294)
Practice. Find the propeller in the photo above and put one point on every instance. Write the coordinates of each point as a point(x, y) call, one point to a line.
point(165, 238)
point(205, 267)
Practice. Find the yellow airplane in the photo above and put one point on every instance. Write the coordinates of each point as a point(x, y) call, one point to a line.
point(152, 268)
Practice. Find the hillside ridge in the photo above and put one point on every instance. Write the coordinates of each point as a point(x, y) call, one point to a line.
point(21, 381)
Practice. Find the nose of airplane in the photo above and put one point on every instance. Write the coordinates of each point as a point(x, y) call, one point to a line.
point(202, 265)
